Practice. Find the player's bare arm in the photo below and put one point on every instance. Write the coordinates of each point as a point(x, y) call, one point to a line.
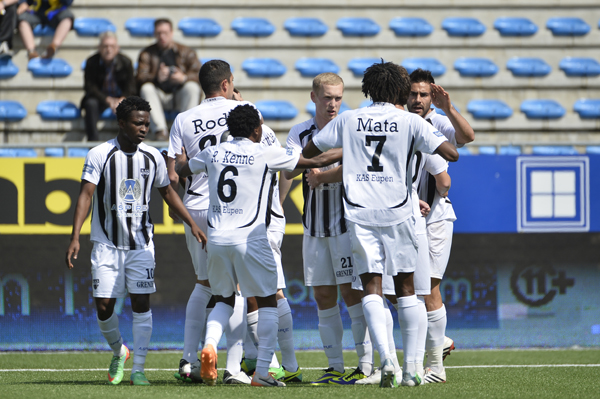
point(441, 99)
point(284, 187)
point(323, 159)
point(84, 201)
point(311, 150)
point(424, 208)
point(181, 164)
point(315, 177)
point(447, 151)
point(172, 199)
point(175, 180)
point(442, 183)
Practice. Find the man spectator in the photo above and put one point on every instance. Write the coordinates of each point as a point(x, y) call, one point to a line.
point(8, 22)
point(108, 80)
point(167, 76)
point(52, 13)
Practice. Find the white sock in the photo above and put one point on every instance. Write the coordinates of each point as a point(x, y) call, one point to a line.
point(389, 323)
point(285, 335)
point(142, 331)
point(408, 318)
point(235, 331)
point(110, 330)
point(375, 316)
point(422, 334)
point(268, 323)
point(362, 340)
point(251, 341)
point(331, 331)
point(274, 361)
point(195, 321)
point(215, 325)
point(436, 330)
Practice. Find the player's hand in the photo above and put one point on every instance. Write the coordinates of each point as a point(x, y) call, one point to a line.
point(173, 215)
point(312, 177)
point(424, 207)
point(440, 98)
point(72, 251)
point(199, 234)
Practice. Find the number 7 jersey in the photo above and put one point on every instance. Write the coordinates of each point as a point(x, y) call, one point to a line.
point(241, 179)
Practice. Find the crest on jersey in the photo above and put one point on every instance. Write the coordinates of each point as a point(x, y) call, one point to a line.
point(130, 190)
point(145, 172)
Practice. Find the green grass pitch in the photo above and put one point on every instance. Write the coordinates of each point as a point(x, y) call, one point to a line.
point(471, 374)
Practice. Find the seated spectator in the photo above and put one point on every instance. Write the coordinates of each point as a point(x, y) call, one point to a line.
point(108, 80)
point(167, 77)
point(52, 13)
point(8, 22)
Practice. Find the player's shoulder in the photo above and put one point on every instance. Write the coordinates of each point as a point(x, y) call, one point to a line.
point(307, 125)
point(104, 148)
point(149, 150)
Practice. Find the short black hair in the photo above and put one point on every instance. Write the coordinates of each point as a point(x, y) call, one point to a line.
point(243, 120)
point(130, 104)
point(386, 82)
point(159, 21)
point(212, 73)
point(421, 75)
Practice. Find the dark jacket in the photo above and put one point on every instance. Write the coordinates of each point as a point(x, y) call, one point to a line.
point(149, 61)
point(95, 72)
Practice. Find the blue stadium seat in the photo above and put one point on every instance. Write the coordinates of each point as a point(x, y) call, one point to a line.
point(276, 109)
point(525, 66)
point(578, 66)
point(430, 64)
point(567, 26)
point(588, 108)
point(256, 27)
point(464, 151)
point(7, 68)
point(365, 103)
point(542, 109)
point(11, 111)
point(263, 67)
point(359, 65)
point(411, 26)
point(489, 109)
point(18, 152)
point(305, 27)
point(487, 150)
point(57, 110)
point(55, 152)
point(312, 110)
point(49, 68)
point(311, 67)
point(107, 114)
point(43, 30)
point(441, 112)
point(515, 26)
point(462, 27)
point(93, 26)
point(592, 149)
point(358, 26)
point(554, 150)
point(475, 67)
point(140, 26)
point(77, 152)
point(510, 150)
point(202, 27)
point(170, 115)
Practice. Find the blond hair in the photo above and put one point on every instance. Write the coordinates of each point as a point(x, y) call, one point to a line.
point(327, 78)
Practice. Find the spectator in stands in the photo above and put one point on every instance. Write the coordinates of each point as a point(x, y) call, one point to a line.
point(8, 22)
point(108, 80)
point(167, 77)
point(52, 13)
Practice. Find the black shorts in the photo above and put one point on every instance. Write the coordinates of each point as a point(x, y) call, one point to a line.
point(37, 19)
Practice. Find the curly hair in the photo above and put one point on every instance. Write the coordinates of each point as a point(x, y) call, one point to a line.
point(421, 75)
point(211, 74)
point(130, 104)
point(386, 82)
point(243, 120)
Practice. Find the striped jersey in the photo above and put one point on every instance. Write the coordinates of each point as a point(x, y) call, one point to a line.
point(323, 213)
point(120, 215)
point(277, 222)
point(240, 177)
point(196, 129)
point(379, 142)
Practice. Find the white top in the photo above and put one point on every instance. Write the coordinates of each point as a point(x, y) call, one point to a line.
point(240, 173)
point(379, 142)
point(443, 124)
point(195, 130)
point(120, 214)
point(277, 223)
point(441, 207)
point(323, 213)
point(424, 165)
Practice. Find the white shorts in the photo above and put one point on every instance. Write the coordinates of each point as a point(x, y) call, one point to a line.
point(199, 256)
point(327, 260)
point(275, 240)
point(384, 250)
point(117, 271)
point(440, 242)
point(387, 284)
point(251, 264)
point(422, 278)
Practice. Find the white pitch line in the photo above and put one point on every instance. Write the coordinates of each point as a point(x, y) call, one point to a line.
point(322, 368)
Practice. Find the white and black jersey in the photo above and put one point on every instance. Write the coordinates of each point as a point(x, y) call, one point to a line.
point(277, 222)
point(120, 215)
point(323, 214)
point(196, 129)
point(241, 175)
point(379, 142)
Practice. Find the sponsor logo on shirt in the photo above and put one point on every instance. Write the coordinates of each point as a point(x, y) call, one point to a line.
point(88, 168)
point(130, 190)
